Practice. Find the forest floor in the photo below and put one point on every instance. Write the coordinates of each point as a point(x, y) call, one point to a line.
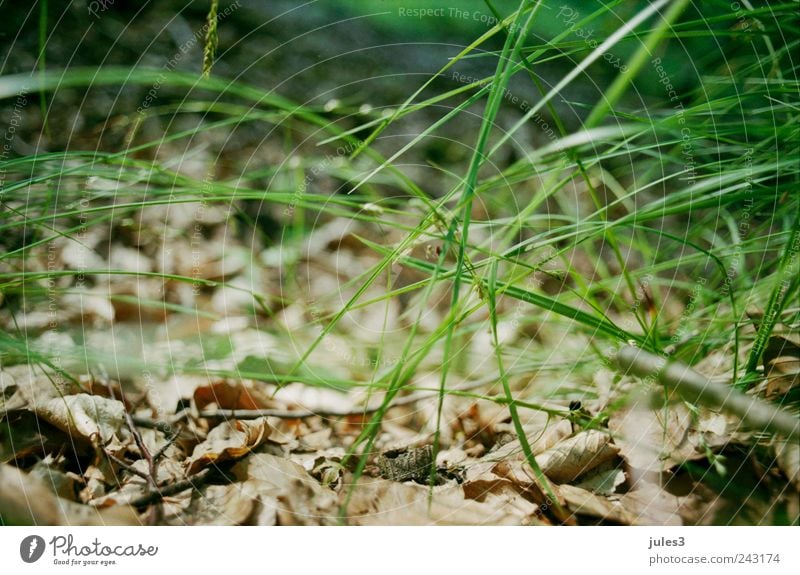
point(169, 359)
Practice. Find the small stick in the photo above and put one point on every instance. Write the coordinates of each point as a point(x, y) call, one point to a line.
point(306, 413)
point(695, 387)
point(126, 466)
point(197, 480)
point(170, 440)
point(165, 427)
point(137, 437)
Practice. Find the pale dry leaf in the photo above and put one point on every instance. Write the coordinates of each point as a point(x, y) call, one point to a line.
point(314, 398)
point(540, 441)
point(788, 455)
point(129, 486)
point(782, 365)
point(317, 440)
point(83, 416)
point(382, 502)
point(96, 482)
point(8, 384)
point(217, 505)
point(659, 440)
point(604, 480)
point(26, 500)
point(480, 479)
point(163, 396)
point(653, 440)
point(533, 422)
point(451, 458)
point(90, 307)
point(228, 440)
point(651, 505)
point(508, 484)
point(312, 460)
point(573, 457)
point(26, 385)
point(121, 257)
point(580, 501)
point(287, 489)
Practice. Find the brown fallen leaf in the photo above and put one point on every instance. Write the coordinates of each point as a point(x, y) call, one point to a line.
point(508, 483)
point(781, 365)
point(84, 417)
point(130, 486)
point(216, 505)
point(286, 493)
point(653, 440)
point(580, 501)
point(382, 502)
point(651, 505)
point(25, 385)
point(228, 440)
point(50, 471)
point(657, 440)
point(603, 480)
point(648, 505)
point(573, 457)
point(231, 395)
point(481, 479)
point(540, 441)
point(22, 434)
point(26, 500)
point(788, 456)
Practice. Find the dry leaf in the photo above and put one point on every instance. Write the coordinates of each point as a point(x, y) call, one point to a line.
point(231, 395)
point(659, 440)
point(381, 502)
point(96, 482)
point(540, 441)
point(582, 502)
point(480, 479)
point(506, 484)
point(83, 416)
point(577, 455)
point(314, 398)
point(604, 480)
point(26, 385)
point(228, 440)
point(651, 505)
point(216, 505)
point(782, 365)
point(26, 500)
point(653, 440)
point(50, 471)
point(22, 434)
point(132, 486)
point(287, 494)
point(648, 505)
point(788, 455)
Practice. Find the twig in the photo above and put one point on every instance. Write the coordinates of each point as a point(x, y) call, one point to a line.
point(170, 440)
point(127, 466)
point(195, 481)
point(165, 427)
point(137, 437)
point(306, 413)
point(695, 387)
